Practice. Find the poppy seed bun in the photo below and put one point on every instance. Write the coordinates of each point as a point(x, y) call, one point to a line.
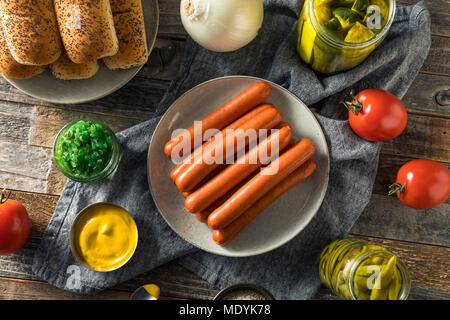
point(65, 69)
point(31, 31)
point(87, 29)
point(130, 29)
point(9, 67)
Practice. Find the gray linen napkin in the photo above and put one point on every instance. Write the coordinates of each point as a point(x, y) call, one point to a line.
point(289, 272)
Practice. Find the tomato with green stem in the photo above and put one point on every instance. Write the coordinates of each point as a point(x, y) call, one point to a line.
point(14, 224)
point(422, 184)
point(376, 115)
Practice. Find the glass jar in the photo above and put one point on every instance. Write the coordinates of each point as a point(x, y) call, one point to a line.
point(97, 175)
point(328, 54)
point(361, 271)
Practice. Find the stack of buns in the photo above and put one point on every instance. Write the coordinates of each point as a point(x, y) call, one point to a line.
point(70, 36)
point(130, 29)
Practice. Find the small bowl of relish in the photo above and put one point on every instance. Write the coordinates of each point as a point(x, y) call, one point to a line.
point(86, 150)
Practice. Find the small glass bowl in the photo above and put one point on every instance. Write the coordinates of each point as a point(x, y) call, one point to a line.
point(108, 170)
point(73, 244)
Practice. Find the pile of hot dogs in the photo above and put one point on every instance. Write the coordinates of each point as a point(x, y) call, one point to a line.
point(228, 195)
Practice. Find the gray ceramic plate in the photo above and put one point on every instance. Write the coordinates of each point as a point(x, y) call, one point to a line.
point(46, 87)
point(281, 221)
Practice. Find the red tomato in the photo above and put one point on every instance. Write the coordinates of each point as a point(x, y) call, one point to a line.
point(422, 184)
point(376, 115)
point(14, 225)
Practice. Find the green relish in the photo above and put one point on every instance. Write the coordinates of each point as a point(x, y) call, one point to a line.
point(84, 149)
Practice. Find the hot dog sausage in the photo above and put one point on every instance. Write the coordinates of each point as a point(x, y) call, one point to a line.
point(204, 181)
point(198, 152)
point(203, 215)
point(204, 196)
point(230, 111)
point(231, 141)
point(186, 194)
point(265, 180)
point(224, 236)
point(290, 144)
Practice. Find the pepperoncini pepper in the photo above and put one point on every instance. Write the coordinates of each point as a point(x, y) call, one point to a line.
point(361, 271)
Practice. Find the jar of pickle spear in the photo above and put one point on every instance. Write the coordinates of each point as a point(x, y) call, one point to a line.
point(361, 271)
point(337, 35)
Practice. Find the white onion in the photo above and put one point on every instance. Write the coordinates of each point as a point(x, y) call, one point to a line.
point(222, 25)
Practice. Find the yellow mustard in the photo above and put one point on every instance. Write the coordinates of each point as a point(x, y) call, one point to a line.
point(105, 236)
point(153, 290)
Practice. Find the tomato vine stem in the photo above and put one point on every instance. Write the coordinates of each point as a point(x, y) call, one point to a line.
point(3, 196)
point(396, 188)
point(354, 106)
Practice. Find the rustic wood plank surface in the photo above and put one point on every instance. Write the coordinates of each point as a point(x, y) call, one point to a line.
point(420, 238)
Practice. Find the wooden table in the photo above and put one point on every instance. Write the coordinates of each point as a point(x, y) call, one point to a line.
point(420, 238)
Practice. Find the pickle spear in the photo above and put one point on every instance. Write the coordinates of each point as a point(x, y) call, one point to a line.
point(359, 33)
point(340, 3)
point(323, 12)
point(396, 285)
point(380, 290)
point(376, 15)
point(360, 7)
point(346, 17)
point(333, 25)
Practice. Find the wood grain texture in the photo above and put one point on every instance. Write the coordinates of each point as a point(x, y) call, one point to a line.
point(428, 265)
point(423, 95)
point(438, 59)
point(164, 60)
point(40, 208)
point(440, 15)
point(175, 281)
point(386, 217)
point(416, 293)
point(24, 167)
point(171, 25)
point(25, 183)
point(423, 137)
point(47, 122)
point(443, 97)
point(139, 98)
point(11, 289)
point(56, 180)
point(25, 160)
point(420, 238)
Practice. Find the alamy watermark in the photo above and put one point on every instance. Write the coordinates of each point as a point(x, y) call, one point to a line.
point(374, 17)
point(73, 281)
point(228, 146)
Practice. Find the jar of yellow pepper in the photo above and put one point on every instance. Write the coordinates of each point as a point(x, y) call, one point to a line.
point(361, 271)
point(337, 35)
